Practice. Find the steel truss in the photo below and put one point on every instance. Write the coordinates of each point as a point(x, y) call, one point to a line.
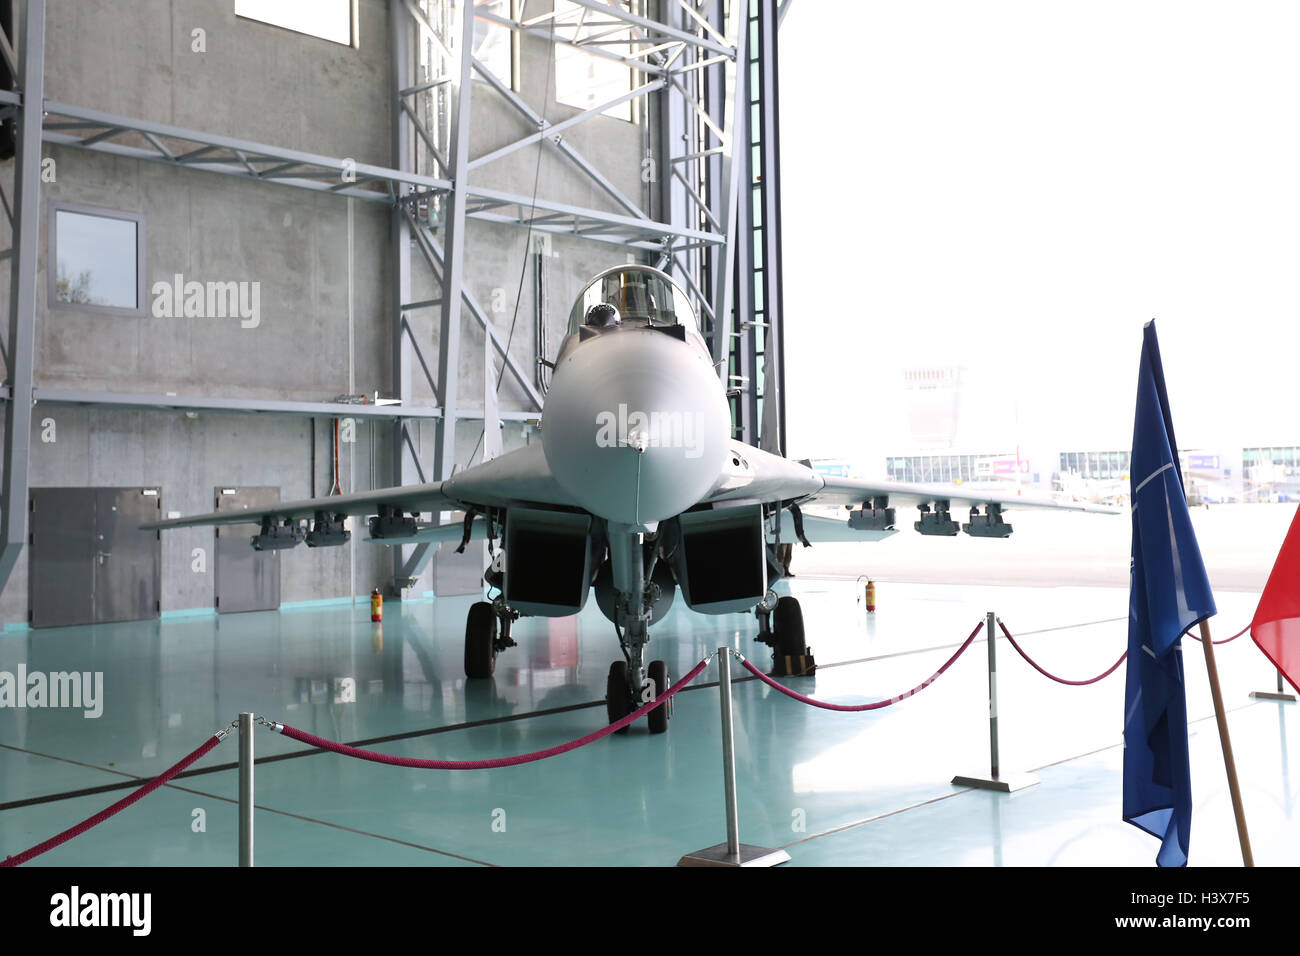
point(681, 63)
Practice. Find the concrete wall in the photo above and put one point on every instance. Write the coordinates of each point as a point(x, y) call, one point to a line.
point(265, 84)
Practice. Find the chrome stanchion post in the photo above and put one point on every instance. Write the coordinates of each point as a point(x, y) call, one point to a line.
point(733, 852)
point(989, 624)
point(729, 757)
point(245, 789)
point(995, 780)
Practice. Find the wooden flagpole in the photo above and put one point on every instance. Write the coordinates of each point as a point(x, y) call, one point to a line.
point(1247, 857)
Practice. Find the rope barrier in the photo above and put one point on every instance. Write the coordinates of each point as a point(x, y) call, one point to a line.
point(348, 751)
point(1194, 637)
point(419, 764)
point(861, 707)
point(1060, 680)
point(116, 808)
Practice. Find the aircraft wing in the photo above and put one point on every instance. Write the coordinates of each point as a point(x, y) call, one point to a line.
point(516, 477)
point(854, 491)
point(752, 474)
point(410, 498)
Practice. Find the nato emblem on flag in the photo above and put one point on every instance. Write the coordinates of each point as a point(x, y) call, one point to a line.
point(1168, 593)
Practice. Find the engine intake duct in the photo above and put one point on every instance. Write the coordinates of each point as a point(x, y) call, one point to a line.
point(550, 561)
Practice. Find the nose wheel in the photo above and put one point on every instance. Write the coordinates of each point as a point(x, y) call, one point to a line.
point(621, 698)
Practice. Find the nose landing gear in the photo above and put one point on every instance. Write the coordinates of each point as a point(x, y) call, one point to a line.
point(621, 700)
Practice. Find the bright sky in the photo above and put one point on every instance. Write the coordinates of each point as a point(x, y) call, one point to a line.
point(1017, 187)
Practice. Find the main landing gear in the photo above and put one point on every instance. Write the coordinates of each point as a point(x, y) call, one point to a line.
point(780, 626)
point(487, 631)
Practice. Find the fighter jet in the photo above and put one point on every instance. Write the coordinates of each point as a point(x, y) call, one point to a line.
point(636, 492)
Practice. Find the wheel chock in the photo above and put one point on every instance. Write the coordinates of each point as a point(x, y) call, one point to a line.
point(794, 665)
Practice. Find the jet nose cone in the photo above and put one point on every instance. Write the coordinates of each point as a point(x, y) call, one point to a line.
point(636, 426)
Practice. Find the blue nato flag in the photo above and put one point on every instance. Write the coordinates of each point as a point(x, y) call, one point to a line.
point(1169, 592)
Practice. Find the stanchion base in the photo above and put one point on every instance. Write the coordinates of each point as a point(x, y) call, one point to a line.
point(1272, 695)
point(1008, 783)
point(749, 856)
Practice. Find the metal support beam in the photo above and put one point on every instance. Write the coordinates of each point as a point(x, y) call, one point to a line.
point(435, 257)
point(22, 290)
point(608, 8)
point(536, 119)
point(734, 347)
point(453, 259)
point(768, 181)
point(553, 130)
point(406, 465)
point(207, 403)
point(177, 146)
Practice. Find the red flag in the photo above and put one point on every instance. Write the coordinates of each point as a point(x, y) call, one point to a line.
point(1276, 627)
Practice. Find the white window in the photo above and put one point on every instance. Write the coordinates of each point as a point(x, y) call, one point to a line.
point(585, 79)
point(328, 19)
point(96, 260)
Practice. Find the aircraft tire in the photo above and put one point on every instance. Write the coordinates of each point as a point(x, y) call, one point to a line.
point(658, 718)
point(787, 626)
point(480, 641)
point(618, 701)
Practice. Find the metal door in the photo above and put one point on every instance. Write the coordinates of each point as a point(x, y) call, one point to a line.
point(246, 580)
point(61, 559)
point(89, 561)
point(127, 565)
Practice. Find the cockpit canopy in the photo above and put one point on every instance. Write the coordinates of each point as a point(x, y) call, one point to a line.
point(639, 295)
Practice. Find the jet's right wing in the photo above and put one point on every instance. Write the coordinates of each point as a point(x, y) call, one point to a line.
point(520, 476)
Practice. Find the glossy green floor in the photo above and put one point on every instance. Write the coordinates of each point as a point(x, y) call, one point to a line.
point(834, 788)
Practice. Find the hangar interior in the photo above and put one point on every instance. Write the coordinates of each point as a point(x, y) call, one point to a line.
point(259, 260)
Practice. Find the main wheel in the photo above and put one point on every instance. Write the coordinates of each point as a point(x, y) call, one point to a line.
point(658, 718)
point(787, 626)
point(480, 641)
point(618, 699)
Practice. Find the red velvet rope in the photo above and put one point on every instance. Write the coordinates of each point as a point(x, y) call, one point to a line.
point(1225, 640)
point(1060, 680)
point(118, 807)
point(860, 707)
point(494, 762)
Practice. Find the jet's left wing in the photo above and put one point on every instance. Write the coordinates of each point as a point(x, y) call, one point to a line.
point(856, 492)
point(750, 474)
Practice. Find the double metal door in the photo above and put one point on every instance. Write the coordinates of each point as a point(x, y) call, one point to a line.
point(89, 562)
